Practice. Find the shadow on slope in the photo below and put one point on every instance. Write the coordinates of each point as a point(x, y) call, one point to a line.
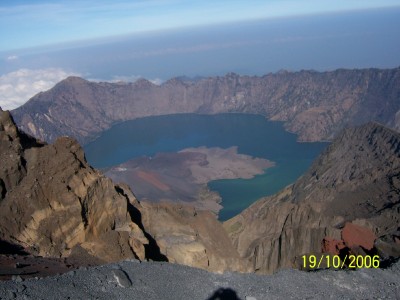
point(152, 249)
point(9, 248)
point(224, 294)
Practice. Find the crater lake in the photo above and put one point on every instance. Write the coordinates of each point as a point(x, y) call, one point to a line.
point(253, 135)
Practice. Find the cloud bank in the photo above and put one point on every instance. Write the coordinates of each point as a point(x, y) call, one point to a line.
point(19, 86)
point(12, 57)
point(127, 78)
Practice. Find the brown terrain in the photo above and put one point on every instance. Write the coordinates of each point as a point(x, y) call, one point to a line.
point(312, 104)
point(57, 213)
point(183, 176)
point(54, 205)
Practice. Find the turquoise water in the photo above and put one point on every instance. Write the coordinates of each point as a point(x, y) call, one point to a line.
point(253, 135)
point(238, 194)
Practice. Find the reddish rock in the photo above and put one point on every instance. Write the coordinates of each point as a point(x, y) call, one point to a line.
point(332, 246)
point(354, 235)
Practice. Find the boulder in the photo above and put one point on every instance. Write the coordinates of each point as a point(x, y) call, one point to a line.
point(354, 235)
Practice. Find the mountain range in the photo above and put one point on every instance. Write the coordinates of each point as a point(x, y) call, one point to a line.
point(314, 105)
point(53, 204)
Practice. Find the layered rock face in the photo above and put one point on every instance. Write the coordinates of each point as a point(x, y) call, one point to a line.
point(192, 237)
point(52, 201)
point(356, 180)
point(314, 105)
point(53, 204)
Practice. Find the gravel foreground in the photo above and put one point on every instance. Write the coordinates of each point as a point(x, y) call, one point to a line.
point(153, 280)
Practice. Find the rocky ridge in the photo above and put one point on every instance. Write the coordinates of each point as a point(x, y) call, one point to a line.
point(53, 204)
point(355, 181)
point(52, 201)
point(315, 105)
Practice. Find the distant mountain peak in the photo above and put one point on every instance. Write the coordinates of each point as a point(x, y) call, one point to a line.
point(143, 82)
point(74, 79)
point(69, 82)
point(175, 80)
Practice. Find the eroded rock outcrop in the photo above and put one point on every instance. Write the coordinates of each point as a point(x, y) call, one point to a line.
point(53, 200)
point(192, 237)
point(357, 179)
point(53, 204)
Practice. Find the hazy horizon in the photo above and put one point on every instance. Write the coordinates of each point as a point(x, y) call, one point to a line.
point(247, 44)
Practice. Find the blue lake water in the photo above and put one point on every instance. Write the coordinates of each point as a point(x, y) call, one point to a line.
point(252, 134)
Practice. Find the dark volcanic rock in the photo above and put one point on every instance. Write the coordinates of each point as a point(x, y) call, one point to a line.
point(314, 105)
point(332, 246)
point(355, 180)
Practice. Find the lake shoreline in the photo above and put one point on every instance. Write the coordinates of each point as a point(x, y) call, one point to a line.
point(183, 176)
point(159, 147)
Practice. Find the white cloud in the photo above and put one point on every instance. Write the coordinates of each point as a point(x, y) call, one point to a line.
point(134, 78)
point(12, 57)
point(19, 86)
point(129, 78)
point(156, 81)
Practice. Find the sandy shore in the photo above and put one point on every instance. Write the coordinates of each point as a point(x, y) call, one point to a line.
point(226, 164)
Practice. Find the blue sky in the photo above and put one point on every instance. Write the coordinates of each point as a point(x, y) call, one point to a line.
point(43, 42)
point(35, 23)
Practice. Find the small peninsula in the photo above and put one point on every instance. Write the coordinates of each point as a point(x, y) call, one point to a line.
point(183, 176)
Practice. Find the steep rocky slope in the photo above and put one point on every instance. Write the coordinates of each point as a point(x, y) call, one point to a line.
point(53, 204)
point(315, 105)
point(52, 201)
point(192, 238)
point(354, 184)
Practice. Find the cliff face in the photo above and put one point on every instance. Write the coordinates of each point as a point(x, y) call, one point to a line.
point(314, 105)
point(355, 181)
point(191, 237)
point(52, 201)
point(53, 204)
